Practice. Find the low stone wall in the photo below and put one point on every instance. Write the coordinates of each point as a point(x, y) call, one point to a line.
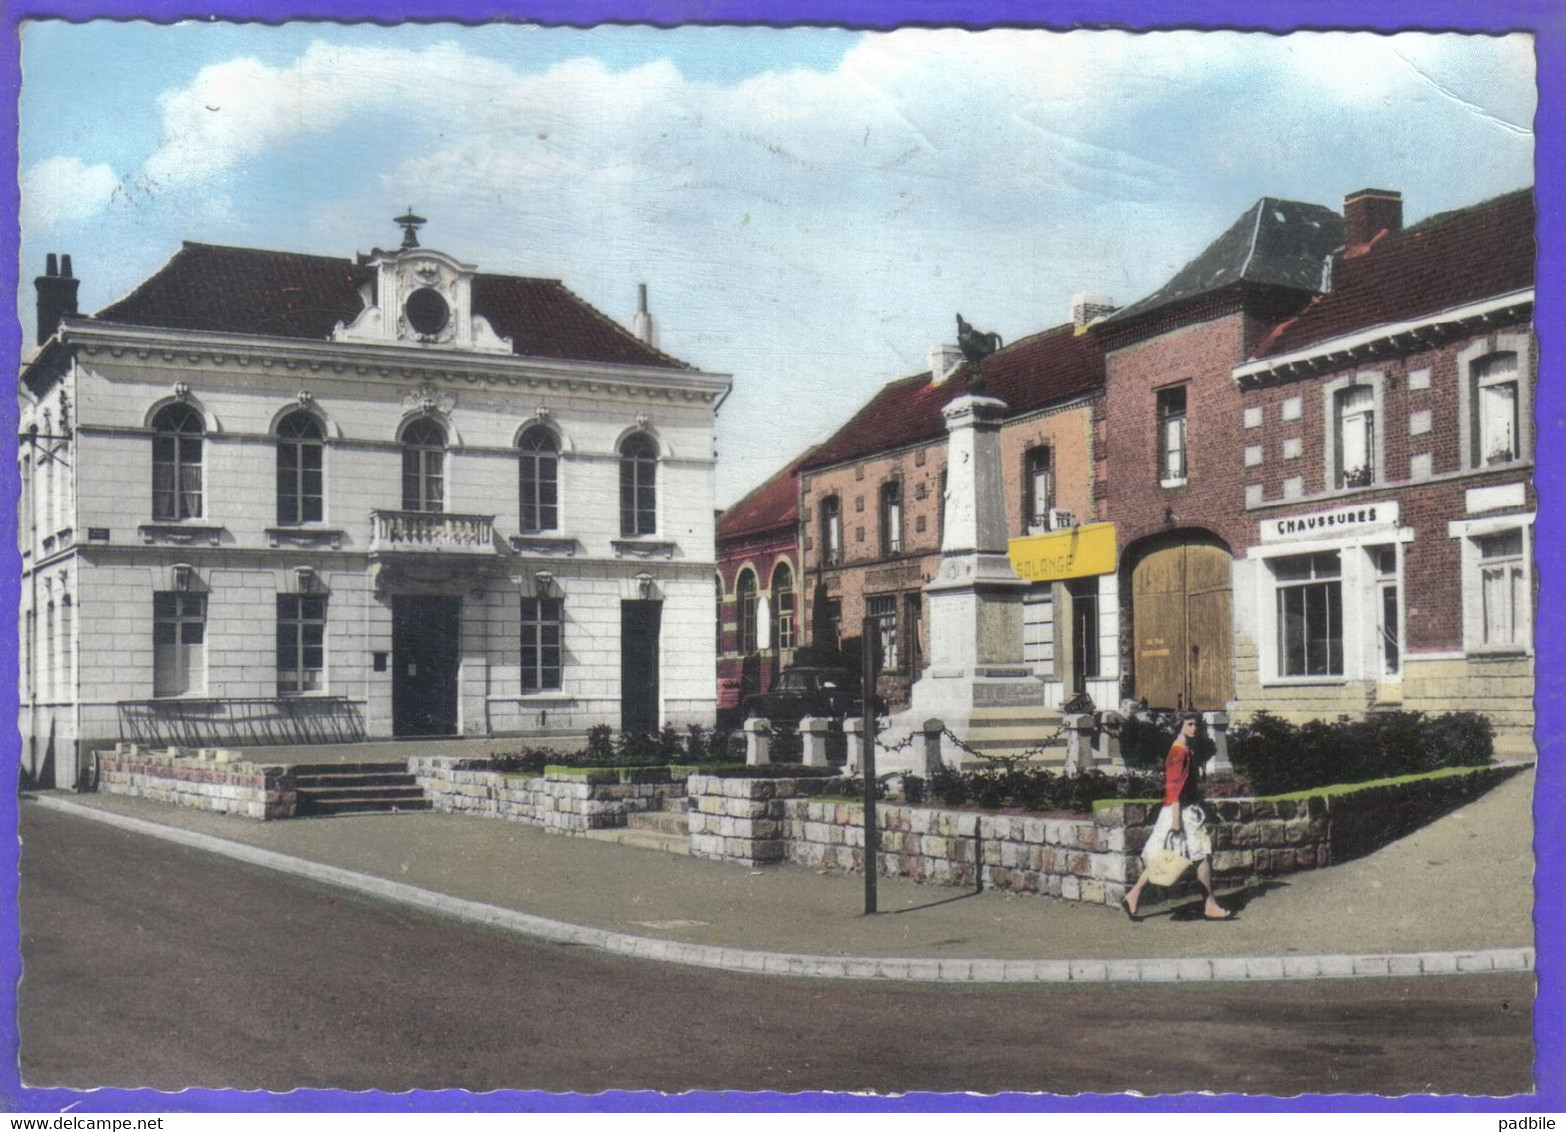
point(745, 819)
point(1068, 858)
point(1093, 859)
point(563, 802)
point(200, 781)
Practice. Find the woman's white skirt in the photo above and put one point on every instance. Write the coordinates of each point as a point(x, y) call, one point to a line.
point(1193, 843)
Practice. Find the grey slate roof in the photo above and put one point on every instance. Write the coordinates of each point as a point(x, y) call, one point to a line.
point(1279, 243)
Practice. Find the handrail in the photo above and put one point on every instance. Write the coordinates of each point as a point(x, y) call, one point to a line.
point(188, 721)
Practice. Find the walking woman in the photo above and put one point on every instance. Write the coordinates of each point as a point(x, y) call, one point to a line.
point(1191, 839)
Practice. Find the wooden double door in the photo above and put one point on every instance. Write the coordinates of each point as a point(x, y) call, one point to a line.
point(1181, 624)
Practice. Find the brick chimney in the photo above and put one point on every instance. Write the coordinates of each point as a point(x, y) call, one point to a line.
point(1368, 213)
point(56, 295)
point(1087, 309)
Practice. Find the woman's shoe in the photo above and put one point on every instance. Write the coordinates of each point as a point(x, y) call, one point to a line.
point(1227, 915)
point(1130, 915)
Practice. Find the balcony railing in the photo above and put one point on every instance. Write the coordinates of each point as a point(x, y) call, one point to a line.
point(432, 531)
point(191, 722)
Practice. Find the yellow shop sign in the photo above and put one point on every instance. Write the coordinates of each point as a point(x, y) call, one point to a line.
point(1080, 552)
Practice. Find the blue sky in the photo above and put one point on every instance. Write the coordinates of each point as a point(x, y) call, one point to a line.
point(808, 206)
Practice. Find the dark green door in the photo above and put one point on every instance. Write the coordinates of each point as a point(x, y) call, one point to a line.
point(425, 659)
point(639, 622)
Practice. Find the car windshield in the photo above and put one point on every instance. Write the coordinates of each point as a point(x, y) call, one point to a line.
point(797, 682)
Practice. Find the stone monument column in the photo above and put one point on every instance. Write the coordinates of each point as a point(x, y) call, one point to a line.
point(975, 597)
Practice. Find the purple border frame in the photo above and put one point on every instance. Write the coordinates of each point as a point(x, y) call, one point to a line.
point(1546, 19)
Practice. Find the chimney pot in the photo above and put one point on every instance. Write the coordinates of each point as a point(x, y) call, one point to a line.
point(51, 266)
point(65, 265)
point(642, 325)
point(1368, 213)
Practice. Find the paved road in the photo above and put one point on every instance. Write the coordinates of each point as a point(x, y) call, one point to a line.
point(148, 964)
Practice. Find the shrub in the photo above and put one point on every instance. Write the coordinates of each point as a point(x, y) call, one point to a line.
point(696, 747)
point(770, 770)
point(1279, 757)
point(600, 743)
point(1034, 788)
point(1145, 742)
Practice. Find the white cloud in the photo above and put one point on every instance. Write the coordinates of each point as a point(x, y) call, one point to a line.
point(62, 189)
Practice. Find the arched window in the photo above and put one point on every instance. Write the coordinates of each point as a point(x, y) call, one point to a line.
point(783, 605)
point(423, 466)
point(719, 582)
point(176, 463)
point(745, 599)
point(638, 485)
point(299, 452)
point(540, 479)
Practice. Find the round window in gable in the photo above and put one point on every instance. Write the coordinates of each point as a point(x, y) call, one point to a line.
point(427, 311)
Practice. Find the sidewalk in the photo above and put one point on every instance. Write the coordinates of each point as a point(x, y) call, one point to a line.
point(1460, 887)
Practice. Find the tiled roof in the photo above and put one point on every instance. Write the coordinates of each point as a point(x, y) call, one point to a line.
point(773, 503)
point(1446, 261)
point(1279, 243)
point(1053, 365)
point(291, 295)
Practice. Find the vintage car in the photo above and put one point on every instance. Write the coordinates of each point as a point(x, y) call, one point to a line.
point(801, 690)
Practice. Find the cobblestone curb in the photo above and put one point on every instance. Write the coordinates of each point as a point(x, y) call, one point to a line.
point(1220, 969)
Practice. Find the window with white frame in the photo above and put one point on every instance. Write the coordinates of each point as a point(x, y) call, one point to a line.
point(1038, 493)
point(539, 479)
point(1310, 614)
point(1171, 435)
point(783, 605)
point(891, 517)
point(301, 643)
point(1388, 618)
point(883, 608)
point(177, 435)
point(831, 531)
point(179, 643)
point(542, 635)
point(1503, 590)
point(1355, 417)
point(1496, 438)
point(745, 602)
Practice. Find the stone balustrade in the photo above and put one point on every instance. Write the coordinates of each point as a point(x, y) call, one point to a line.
point(431, 531)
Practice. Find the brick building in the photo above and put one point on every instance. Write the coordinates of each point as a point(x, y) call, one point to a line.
point(1386, 444)
point(871, 501)
point(1171, 413)
point(271, 497)
point(1319, 454)
point(757, 589)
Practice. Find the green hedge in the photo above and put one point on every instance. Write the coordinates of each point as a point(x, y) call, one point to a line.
point(696, 747)
point(768, 770)
point(1278, 757)
point(1032, 789)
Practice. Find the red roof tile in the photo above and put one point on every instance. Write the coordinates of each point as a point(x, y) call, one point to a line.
point(291, 295)
point(1053, 365)
point(773, 503)
point(1443, 262)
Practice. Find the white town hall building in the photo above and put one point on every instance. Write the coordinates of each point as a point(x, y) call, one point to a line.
point(280, 498)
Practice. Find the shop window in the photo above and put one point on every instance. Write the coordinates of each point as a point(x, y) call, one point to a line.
point(745, 600)
point(1495, 393)
point(831, 531)
point(1038, 490)
point(1171, 436)
point(1503, 590)
point(882, 610)
point(539, 479)
point(638, 485)
point(783, 605)
point(301, 643)
point(178, 432)
point(424, 466)
point(891, 518)
point(1310, 614)
point(1354, 413)
point(542, 634)
point(179, 643)
point(300, 452)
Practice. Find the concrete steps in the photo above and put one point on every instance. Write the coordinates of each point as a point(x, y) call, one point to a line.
point(666, 830)
point(356, 788)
